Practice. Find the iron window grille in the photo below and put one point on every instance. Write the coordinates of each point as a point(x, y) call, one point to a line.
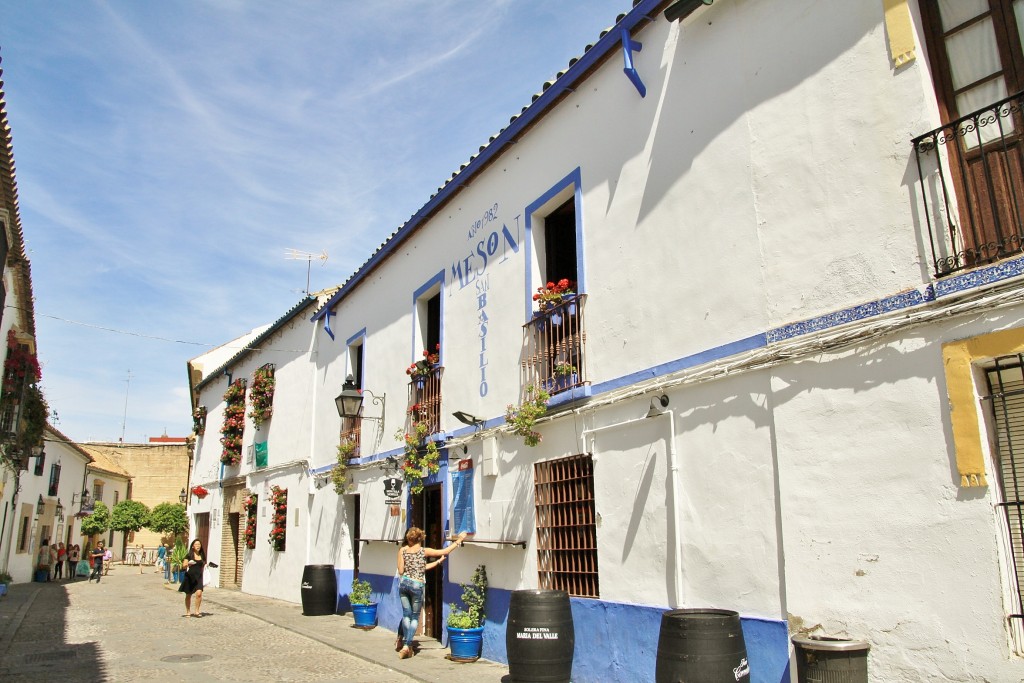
point(566, 528)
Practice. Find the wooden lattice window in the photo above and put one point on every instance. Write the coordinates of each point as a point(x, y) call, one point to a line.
point(566, 532)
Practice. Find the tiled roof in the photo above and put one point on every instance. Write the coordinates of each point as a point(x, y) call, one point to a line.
point(254, 344)
point(16, 258)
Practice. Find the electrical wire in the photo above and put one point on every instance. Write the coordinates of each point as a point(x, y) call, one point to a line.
point(151, 336)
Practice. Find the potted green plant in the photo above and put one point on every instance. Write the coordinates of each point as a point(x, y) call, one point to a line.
point(363, 608)
point(466, 626)
point(5, 579)
point(521, 418)
point(339, 475)
point(565, 376)
point(178, 555)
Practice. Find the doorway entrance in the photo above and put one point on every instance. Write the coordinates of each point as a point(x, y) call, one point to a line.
point(427, 514)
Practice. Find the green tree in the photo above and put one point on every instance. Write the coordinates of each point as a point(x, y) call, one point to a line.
point(129, 516)
point(98, 522)
point(168, 518)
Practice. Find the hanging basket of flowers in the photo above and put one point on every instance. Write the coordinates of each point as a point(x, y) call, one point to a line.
point(199, 420)
point(261, 394)
point(234, 423)
point(279, 522)
point(199, 492)
point(422, 458)
point(250, 521)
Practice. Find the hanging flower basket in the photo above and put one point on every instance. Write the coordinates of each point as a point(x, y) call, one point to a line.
point(199, 420)
point(261, 395)
point(234, 423)
point(279, 521)
point(199, 492)
point(250, 521)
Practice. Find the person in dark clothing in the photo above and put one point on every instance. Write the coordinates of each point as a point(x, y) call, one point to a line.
point(97, 562)
point(194, 563)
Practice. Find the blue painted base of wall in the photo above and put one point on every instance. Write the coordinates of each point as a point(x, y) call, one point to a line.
point(615, 642)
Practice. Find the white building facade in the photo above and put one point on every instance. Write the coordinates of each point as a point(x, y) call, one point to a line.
point(785, 383)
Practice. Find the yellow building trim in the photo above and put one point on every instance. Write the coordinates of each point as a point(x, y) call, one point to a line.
point(900, 31)
point(958, 360)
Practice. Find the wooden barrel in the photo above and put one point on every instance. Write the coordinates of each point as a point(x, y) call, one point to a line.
point(704, 645)
point(539, 637)
point(319, 590)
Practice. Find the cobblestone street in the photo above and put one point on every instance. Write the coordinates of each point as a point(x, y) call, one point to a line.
point(130, 628)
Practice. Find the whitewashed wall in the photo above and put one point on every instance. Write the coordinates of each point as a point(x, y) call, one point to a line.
point(762, 181)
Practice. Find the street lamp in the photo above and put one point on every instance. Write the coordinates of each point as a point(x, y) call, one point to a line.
point(182, 497)
point(350, 401)
point(60, 510)
point(40, 506)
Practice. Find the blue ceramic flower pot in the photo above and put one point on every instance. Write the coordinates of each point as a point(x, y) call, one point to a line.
point(466, 643)
point(365, 615)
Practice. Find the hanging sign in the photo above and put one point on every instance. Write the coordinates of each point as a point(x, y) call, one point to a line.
point(392, 491)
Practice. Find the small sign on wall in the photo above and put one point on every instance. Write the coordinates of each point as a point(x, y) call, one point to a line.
point(392, 491)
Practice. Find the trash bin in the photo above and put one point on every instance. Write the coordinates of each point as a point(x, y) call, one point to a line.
point(836, 660)
point(319, 590)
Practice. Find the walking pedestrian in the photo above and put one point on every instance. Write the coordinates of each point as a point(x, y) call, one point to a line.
point(73, 555)
point(108, 557)
point(161, 559)
point(62, 558)
point(412, 564)
point(192, 584)
point(98, 554)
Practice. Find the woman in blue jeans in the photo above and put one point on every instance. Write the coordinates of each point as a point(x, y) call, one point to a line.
point(412, 566)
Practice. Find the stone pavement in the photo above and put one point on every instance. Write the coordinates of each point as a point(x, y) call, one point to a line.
point(129, 627)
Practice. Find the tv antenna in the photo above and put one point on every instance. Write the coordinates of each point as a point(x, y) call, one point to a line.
point(296, 255)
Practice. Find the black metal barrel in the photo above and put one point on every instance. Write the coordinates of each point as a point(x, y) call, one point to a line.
point(319, 590)
point(539, 637)
point(704, 645)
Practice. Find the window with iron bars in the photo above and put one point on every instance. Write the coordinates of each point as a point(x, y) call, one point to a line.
point(1006, 404)
point(566, 528)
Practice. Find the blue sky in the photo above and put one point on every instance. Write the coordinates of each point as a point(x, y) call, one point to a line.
point(169, 153)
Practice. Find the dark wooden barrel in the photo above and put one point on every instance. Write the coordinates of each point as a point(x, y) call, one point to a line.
point(704, 645)
point(539, 637)
point(319, 590)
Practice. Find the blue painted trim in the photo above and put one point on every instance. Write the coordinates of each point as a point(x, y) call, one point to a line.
point(573, 179)
point(615, 642)
point(360, 334)
point(629, 46)
point(327, 324)
point(416, 296)
point(566, 83)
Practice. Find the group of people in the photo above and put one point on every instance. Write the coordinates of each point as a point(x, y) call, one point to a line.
point(53, 558)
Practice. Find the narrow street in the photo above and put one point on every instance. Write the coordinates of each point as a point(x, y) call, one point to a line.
point(130, 627)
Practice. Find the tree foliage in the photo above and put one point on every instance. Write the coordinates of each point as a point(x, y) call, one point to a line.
point(98, 522)
point(168, 518)
point(129, 516)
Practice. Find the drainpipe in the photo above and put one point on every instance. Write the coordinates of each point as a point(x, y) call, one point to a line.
point(658, 409)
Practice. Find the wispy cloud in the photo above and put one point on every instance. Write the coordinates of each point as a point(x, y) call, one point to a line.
point(168, 153)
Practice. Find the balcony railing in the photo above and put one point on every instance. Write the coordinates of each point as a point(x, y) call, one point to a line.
point(971, 174)
point(554, 347)
point(351, 432)
point(425, 395)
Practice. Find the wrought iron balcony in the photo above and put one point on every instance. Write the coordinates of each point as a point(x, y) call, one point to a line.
point(971, 182)
point(351, 432)
point(554, 347)
point(425, 400)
